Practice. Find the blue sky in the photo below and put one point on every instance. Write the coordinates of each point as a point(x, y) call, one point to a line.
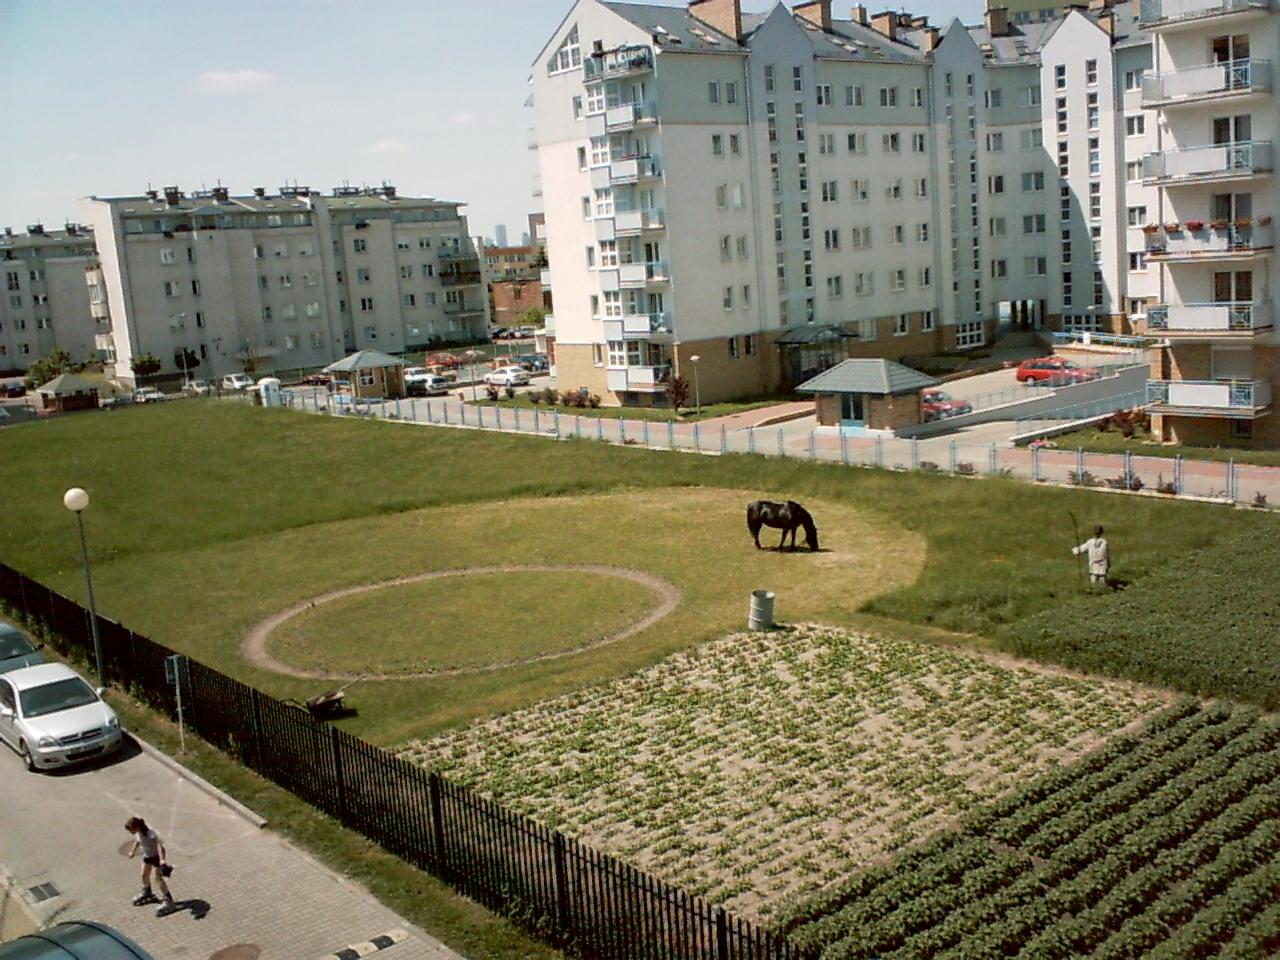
point(106, 97)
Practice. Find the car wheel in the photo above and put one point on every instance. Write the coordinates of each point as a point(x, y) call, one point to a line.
point(28, 761)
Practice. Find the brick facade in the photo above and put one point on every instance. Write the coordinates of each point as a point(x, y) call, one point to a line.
point(509, 299)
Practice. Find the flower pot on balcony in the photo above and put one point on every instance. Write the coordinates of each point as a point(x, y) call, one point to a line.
point(1151, 228)
point(1264, 221)
point(1242, 224)
point(1219, 224)
point(1195, 226)
point(1173, 228)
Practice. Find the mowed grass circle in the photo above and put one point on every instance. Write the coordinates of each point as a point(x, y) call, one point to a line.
point(466, 620)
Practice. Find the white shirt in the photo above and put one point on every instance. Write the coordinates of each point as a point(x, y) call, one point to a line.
point(148, 842)
point(1099, 555)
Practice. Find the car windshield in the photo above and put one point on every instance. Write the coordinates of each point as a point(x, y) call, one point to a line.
point(54, 697)
point(14, 644)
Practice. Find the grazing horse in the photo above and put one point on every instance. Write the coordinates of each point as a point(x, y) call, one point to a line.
point(786, 517)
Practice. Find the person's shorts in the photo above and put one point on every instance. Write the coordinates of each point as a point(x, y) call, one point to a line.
point(151, 861)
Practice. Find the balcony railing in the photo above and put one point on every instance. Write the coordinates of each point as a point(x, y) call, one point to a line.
point(636, 221)
point(465, 278)
point(1206, 163)
point(629, 115)
point(636, 326)
point(1162, 13)
point(457, 253)
point(1210, 242)
point(642, 273)
point(617, 63)
point(1201, 83)
point(103, 341)
point(1210, 395)
point(1202, 318)
point(458, 309)
point(642, 379)
point(544, 277)
point(633, 169)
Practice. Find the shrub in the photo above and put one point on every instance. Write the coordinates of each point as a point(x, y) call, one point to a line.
point(567, 397)
point(491, 391)
point(511, 393)
point(593, 401)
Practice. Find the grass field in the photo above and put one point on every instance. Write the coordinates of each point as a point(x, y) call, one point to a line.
point(653, 414)
point(1141, 445)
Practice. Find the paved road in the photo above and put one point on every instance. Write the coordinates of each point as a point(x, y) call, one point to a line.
point(237, 884)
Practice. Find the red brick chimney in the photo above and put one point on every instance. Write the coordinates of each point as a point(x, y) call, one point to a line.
point(859, 14)
point(886, 24)
point(722, 15)
point(998, 21)
point(931, 37)
point(815, 11)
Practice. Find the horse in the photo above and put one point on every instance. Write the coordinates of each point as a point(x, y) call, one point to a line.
point(786, 517)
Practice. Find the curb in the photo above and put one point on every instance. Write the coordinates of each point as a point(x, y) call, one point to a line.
point(204, 786)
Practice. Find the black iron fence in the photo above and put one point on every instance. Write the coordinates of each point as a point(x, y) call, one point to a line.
point(566, 892)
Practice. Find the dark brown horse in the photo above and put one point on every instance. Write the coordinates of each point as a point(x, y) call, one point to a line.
point(787, 517)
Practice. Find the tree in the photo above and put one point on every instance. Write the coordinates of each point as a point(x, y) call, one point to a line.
point(185, 359)
point(678, 393)
point(145, 364)
point(46, 368)
point(534, 317)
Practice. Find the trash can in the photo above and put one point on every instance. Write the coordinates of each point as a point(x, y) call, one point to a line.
point(269, 392)
point(761, 614)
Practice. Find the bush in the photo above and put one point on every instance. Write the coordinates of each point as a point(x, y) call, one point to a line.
point(511, 393)
point(491, 391)
point(594, 402)
point(567, 397)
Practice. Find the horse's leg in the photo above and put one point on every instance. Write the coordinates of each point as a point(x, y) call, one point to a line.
point(754, 528)
point(783, 542)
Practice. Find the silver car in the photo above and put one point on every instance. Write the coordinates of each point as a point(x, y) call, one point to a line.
point(51, 717)
point(17, 650)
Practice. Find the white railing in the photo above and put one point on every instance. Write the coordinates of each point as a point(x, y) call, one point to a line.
point(615, 63)
point(544, 278)
point(635, 221)
point(1154, 13)
point(1238, 317)
point(1210, 394)
point(1232, 76)
point(633, 169)
point(1207, 162)
point(1208, 241)
point(629, 114)
point(636, 326)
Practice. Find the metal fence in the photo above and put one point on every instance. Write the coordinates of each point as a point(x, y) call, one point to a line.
point(578, 898)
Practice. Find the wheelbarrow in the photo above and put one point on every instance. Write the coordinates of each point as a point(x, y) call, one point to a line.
point(324, 706)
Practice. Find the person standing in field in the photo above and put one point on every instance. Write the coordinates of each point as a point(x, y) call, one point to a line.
point(1099, 554)
point(154, 866)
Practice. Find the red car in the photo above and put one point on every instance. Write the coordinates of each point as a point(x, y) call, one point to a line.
point(939, 405)
point(319, 379)
point(1054, 371)
point(447, 360)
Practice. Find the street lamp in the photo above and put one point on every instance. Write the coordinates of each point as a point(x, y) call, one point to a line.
point(471, 355)
point(697, 394)
point(76, 500)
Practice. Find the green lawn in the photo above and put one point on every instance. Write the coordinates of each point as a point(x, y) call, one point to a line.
point(1141, 445)
point(653, 414)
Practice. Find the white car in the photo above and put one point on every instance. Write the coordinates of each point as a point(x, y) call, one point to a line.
point(507, 377)
point(421, 382)
point(237, 381)
point(51, 717)
point(147, 395)
point(196, 388)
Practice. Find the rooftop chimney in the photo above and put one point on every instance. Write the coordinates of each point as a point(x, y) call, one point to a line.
point(859, 14)
point(8, 231)
point(998, 21)
point(259, 192)
point(815, 11)
point(220, 194)
point(36, 229)
point(931, 37)
point(389, 190)
point(886, 24)
point(722, 15)
point(72, 229)
point(172, 195)
point(1097, 5)
point(1107, 21)
point(153, 195)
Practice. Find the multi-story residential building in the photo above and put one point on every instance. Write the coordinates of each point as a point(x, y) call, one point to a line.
point(290, 280)
point(511, 263)
point(45, 303)
point(1210, 98)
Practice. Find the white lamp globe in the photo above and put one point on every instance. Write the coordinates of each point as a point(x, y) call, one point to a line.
point(695, 358)
point(75, 499)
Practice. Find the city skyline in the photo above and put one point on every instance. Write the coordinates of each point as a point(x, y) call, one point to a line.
point(408, 105)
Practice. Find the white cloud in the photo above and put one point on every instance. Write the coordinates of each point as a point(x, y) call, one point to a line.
point(231, 81)
point(462, 119)
point(388, 145)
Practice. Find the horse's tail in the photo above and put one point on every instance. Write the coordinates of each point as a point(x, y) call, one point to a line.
point(810, 528)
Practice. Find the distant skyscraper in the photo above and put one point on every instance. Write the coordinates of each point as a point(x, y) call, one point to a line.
point(524, 239)
point(500, 234)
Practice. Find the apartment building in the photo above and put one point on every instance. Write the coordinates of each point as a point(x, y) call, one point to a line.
point(1211, 238)
point(772, 193)
point(45, 303)
point(294, 279)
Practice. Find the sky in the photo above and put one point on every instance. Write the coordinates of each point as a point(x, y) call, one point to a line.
point(107, 97)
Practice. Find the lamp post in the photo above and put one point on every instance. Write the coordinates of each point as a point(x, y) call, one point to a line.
point(471, 355)
point(697, 394)
point(76, 500)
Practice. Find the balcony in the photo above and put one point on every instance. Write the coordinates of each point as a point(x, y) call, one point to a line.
point(632, 275)
point(612, 64)
point(103, 341)
point(1182, 14)
point(461, 278)
point(1210, 398)
point(636, 326)
point(639, 379)
point(633, 170)
point(549, 325)
point(629, 115)
point(462, 309)
point(630, 223)
point(544, 277)
point(1233, 79)
point(1204, 243)
point(1207, 164)
point(457, 253)
point(1208, 320)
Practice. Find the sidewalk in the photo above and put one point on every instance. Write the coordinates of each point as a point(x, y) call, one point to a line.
point(236, 885)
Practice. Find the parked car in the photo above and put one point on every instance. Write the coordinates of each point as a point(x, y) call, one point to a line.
point(1053, 371)
point(499, 333)
point(939, 405)
point(237, 381)
point(318, 379)
point(147, 395)
point(446, 360)
point(119, 400)
point(17, 649)
point(507, 377)
point(196, 388)
point(533, 362)
point(526, 332)
point(51, 717)
point(15, 388)
point(74, 938)
point(421, 382)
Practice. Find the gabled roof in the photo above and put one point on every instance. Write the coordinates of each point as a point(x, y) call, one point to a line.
point(879, 377)
point(364, 360)
point(65, 384)
point(675, 28)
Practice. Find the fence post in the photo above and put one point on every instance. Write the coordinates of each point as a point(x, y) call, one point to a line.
point(337, 774)
point(671, 434)
point(1035, 463)
point(991, 460)
point(915, 454)
point(723, 439)
point(880, 451)
point(844, 448)
point(497, 418)
point(722, 934)
point(622, 431)
point(751, 439)
point(1128, 470)
point(644, 431)
point(1080, 466)
point(437, 821)
point(536, 427)
point(1231, 479)
point(561, 884)
point(813, 446)
point(255, 707)
point(397, 408)
point(577, 425)
point(445, 407)
point(555, 421)
point(600, 428)
point(951, 452)
point(782, 447)
point(697, 437)
point(1177, 473)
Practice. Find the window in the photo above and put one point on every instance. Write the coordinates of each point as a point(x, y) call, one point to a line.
point(362, 276)
point(831, 239)
point(1133, 79)
point(567, 56)
point(826, 143)
point(999, 268)
point(735, 144)
point(171, 288)
point(862, 284)
point(1133, 171)
point(1091, 72)
point(857, 143)
point(898, 281)
point(1033, 223)
point(713, 91)
point(861, 238)
point(995, 142)
point(167, 255)
point(994, 99)
point(733, 348)
point(1095, 201)
point(901, 325)
point(722, 196)
point(730, 92)
point(1135, 126)
point(582, 158)
point(359, 245)
point(742, 247)
point(1035, 266)
point(917, 97)
point(922, 232)
point(891, 142)
point(428, 270)
point(824, 95)
point(888, 96)
point(726, 247)
point(1032, 181)
point(921, 189)
point(1241, 429)
point(835, 287)
point(1060, 77)
point(897, 234)
point(768, 78)
point(797, 80)
point(1031, 139)
point(749, 343)
point(746, 300)
point(1029, 96)
point(996, 226)
point(266, 314)
point(717, 145)
point(577, 108)
point(853, 96)
point(829, 192)
point(1137, 261)
point(1137, 216)
point(727, 299)
point(894, 190)
point(925, 277)
point(861, 190)
point(289, 312)
point(366, 304)
point(918, 143)
point(995, 184)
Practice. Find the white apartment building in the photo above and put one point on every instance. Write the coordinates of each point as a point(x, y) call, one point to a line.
point(771, 193)
point(45, 304)
point(291, 280)
point(1211, 238)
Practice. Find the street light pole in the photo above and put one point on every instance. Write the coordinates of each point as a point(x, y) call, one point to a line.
point(697, 394)
point(471, 355)
point(76, 500)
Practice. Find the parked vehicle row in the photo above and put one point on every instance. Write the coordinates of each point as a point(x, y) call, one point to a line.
point(513, 333)
point(1054, 371)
